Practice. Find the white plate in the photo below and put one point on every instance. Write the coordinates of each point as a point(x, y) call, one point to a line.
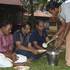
point(22, 67)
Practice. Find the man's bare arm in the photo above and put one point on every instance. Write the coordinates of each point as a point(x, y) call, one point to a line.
point(66, 30)
point(62, 29)
point(22, 47)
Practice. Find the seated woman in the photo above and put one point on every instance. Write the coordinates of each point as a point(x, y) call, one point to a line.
point(21, 41)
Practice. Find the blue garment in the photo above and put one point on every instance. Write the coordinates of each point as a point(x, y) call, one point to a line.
point(18, 36)
point(35, 36)
point(28, 54)
point(25, 53)
point(23, 38)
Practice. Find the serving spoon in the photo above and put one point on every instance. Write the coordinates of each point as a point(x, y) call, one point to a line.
point(45, 45)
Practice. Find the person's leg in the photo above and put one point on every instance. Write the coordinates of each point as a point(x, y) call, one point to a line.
point(4, 61)
point(29, 55)
point(68, 50)
point(25, 53)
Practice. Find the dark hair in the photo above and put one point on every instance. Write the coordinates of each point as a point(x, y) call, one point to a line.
point(38, 21)
point(4, 22)
point(52, 5)
point(24, 25)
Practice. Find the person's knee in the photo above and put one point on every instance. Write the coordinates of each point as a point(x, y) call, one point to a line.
point(4, 61)
point(9, 64)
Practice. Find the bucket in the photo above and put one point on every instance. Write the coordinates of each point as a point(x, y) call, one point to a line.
point(53, 57)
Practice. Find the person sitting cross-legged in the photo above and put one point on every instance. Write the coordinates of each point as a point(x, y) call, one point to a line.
point(38, 36)
point(6, 44)
point(8, 57)
point(21, 41)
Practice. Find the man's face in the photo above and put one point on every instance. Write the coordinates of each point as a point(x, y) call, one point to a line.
point(40, 26)
point(26, 30)
point(7, 29)
point(54, 11)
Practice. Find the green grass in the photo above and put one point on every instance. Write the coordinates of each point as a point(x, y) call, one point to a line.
point(42, 64)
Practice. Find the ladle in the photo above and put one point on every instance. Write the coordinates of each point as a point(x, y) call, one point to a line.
point(45, 45)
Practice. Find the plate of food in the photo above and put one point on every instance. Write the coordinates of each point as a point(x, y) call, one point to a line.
point(22, 68)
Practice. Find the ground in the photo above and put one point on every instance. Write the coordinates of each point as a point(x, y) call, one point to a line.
point(42, 64)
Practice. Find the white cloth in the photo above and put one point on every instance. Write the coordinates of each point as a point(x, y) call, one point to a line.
point(4, 61)
point(7, 62)
point(67, 1)
point(20, 58)
point(65, 12)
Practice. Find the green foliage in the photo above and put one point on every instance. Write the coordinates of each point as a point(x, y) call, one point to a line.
point(42, 1)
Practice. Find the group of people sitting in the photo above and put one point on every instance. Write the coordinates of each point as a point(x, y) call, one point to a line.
point(25, 41)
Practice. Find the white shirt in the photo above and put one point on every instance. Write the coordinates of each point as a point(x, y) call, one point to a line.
point(67, 1)
point(65, 11)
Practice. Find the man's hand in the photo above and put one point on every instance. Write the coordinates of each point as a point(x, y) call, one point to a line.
point(55, 37)
point(59, 42)
point(8, 54)
point(14, 57)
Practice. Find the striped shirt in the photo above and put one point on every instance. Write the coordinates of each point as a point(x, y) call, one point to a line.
point(6, 42)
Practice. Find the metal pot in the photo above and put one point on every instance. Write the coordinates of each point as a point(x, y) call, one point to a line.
point(53, 56)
